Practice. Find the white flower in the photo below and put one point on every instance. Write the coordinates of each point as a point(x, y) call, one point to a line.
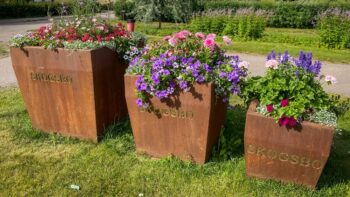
point(243, 64)
point(94, 20)
point(330, 79)
point(272, 64)
point(227, 40)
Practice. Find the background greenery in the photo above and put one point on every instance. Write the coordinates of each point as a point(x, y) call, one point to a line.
point(33, 163)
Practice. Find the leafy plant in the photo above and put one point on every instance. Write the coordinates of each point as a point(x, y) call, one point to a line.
point(181, 60)
point(291, 90)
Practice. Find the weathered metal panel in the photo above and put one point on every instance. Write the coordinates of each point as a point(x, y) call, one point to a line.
point(296, 155)
point(75, 93)
point(187, 125)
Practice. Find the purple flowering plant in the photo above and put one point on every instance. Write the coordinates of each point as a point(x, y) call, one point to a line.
point(182, 59)
point(291, 90)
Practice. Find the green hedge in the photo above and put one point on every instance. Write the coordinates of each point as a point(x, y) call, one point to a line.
point(246, 25)
point(22, 10)
point(334, 31)
point(296, 14)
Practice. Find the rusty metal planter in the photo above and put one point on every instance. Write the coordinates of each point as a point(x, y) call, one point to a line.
point(75, 93)
point(186, 125)
point(296, 155)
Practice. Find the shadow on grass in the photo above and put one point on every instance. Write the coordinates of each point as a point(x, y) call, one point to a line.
point(230, 143)
point(337, 169)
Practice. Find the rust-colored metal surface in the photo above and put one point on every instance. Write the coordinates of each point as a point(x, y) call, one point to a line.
point(75, 93)
point(187, 125)
point(296, 155)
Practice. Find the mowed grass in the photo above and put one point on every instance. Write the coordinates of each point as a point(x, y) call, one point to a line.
point(278, 39)
point(36, 164)
point(3, 49)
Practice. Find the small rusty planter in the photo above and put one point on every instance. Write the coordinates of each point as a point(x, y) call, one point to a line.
point(186, 125)
point(296, 155)
point(75, 93)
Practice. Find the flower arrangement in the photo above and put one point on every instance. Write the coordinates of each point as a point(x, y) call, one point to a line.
point(80, 33)
point(291, 91)
point(182, 59)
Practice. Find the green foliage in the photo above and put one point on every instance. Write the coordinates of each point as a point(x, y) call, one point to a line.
point(20, 10)
point(246, 24)
point(334, 29)
point(287, 81)
point(85, 8)
point(124, 9)
point(292, 14)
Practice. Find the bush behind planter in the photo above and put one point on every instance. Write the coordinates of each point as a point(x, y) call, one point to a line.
point(21, 10)
point(286, 14)
point(334, 32)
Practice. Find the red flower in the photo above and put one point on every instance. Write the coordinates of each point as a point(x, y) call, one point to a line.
point(99, 39)
point(86, 37)
point(292, 122)
point(269, 108)
point(284, 102)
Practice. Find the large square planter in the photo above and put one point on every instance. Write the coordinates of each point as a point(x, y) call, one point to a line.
point(74, 93)
point(293, 155)
point(187, 125)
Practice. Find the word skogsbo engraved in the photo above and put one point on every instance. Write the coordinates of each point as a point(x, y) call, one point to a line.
point(284, 157)
point(49, 77)
point(174, 113)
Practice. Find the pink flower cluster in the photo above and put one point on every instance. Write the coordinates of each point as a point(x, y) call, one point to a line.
point(208, 41)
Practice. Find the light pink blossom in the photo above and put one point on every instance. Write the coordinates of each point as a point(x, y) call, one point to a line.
point(172, 42)
point(199, 35)
point(330, 79)
point(227, 40)
point(166, 38)
point(209, 42)
point(213, 36)
point(180, 35)
point(243, 64)
point(185, 33)
point(272, 64)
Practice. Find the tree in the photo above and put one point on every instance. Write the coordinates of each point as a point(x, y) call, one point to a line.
point(161, 10)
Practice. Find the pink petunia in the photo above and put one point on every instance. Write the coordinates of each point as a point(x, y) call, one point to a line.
point(283, 121)
point(199, 35)
point(227, 40)
point(166, 38)
point(269, 108)
point(213, 36)
point(172, 42)
point(209, 42)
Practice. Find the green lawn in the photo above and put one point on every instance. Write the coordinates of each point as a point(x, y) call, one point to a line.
point(3, 50)
point(279, 39)
point(35, 164)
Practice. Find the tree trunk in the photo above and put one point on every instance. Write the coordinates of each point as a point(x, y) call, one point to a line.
point(160, 24)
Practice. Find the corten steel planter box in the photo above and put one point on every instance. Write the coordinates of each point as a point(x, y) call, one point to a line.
point(186, 125)
point(74, 93)
point(295, 155)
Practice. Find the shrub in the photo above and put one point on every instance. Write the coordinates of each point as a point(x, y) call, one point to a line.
point(244, 24)
point(334, 29)
point(20, 10)
point(124, 9)
point(296, 14)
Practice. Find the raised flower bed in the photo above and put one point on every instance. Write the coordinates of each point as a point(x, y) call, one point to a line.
point(70, 74)
point(176, 93)
point(289, 128)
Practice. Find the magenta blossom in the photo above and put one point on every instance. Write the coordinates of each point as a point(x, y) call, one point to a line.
point(290, 121)
point(227, 40)
point(269, 108)
point(284, 102)
point(200, 35)
point(209, 42)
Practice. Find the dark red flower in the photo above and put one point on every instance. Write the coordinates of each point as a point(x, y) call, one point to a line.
point(292, 122)
point(283, 121)
point(269, 108)
point(86, 37)
point(99, 39)
point(284, 102)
